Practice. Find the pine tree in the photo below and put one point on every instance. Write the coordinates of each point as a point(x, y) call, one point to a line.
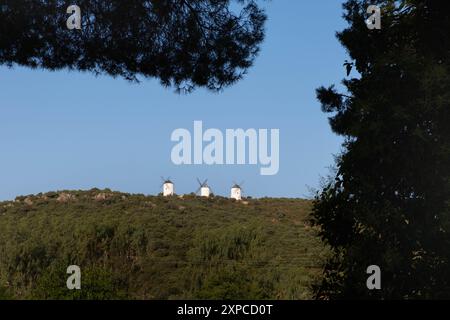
point(389, 202)
point(185, 44)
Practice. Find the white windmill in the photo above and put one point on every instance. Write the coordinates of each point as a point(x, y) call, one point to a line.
point(168, 187)
point(236, 191)
point(204, 190)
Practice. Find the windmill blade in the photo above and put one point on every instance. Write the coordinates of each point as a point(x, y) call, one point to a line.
point(199, 182)
point(164, 180)
point(198, 190)
point(240, 186)
point(205, 183)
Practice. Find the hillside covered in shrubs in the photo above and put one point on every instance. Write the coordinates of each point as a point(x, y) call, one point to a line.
point(150, 247)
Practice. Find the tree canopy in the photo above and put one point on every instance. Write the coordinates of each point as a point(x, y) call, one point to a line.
point(184, 43)
point(388, 203)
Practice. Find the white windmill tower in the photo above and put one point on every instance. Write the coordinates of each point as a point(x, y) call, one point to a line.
point(168, 187)
point(236, 191)
point(204, 190)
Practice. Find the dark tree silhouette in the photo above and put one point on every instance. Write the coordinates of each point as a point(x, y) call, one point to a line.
point(389, 202)
point(184, 43)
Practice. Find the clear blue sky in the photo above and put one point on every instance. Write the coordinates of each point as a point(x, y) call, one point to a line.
point(69, 130)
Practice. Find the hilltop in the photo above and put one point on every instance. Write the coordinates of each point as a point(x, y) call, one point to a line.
point(151, 247)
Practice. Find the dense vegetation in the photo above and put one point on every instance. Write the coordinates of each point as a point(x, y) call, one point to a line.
point(185, 44)
point(389, 202)
point(148, 247)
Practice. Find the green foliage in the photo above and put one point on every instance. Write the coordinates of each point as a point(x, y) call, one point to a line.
point(185, 44)
point(97, 284)
point(237, 278)
point(146, 247)
point(388, 203)
point(4, 294)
